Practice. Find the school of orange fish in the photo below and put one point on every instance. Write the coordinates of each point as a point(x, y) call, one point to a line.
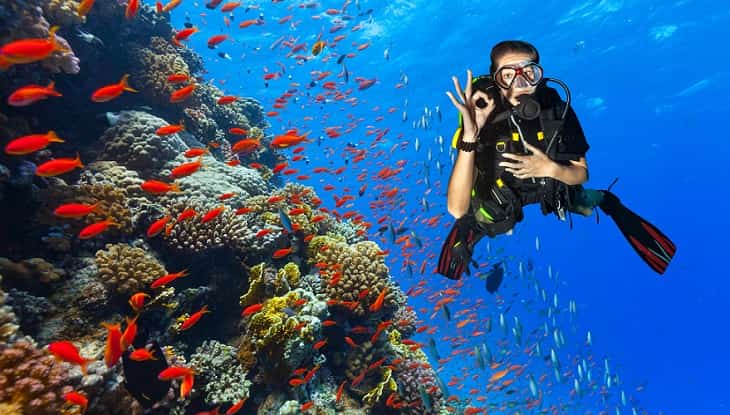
point(506, 370)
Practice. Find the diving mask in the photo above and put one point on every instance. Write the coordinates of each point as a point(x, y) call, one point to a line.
point(522, 75)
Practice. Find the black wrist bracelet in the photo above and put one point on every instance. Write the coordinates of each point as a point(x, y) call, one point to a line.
point(464, 146)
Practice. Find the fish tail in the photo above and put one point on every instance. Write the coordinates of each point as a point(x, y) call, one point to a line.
point(52, 137)
point(4, 63)
point(83, 367)
point(51, 89)
point(175, 187)
point(125, 85)
point(182, 123)
point(54, 40)
point(78, 160)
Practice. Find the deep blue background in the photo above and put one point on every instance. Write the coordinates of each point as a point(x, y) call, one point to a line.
point(650, 86)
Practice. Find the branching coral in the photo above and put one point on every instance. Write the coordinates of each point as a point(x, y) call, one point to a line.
point(152, 64)
point(32, 379)
point(126, 269)
point(222, 377)
point(415, 378)
point(192, 235)
point(363, 268)
point(62, 12)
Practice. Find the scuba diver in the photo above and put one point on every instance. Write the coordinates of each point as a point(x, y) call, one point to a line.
point(519, 144)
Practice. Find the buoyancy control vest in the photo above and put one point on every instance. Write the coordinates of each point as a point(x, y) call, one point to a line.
point(497, 196)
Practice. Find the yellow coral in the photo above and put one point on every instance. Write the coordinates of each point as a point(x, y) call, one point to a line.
point(285, 279)
point(291, 273)
point(272, 324)
point(386, 385)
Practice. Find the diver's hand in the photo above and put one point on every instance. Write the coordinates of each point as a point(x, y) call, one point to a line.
point(537, 164)
point(473, 117)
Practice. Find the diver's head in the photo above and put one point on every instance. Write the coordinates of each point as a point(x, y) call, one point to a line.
point(515, 69)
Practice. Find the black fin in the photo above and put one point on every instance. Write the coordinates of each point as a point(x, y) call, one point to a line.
point(655, 248)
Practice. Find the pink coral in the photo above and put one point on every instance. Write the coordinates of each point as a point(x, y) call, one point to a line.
point(32, 378)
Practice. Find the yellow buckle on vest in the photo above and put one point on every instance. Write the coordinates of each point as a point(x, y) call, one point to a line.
point(515, 137)
point(500, 183)
point(540, 135)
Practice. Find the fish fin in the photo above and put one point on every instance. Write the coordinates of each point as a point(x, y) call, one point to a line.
point(175, 187)
point(52, 137)
point(125, 84)
point(78, 160)
point(54, 41)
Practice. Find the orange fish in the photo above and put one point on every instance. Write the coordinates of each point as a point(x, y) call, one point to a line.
point(177, 78)
point(113, 350)
point(340, 389)
point(31, 143)
point(215, 40)
point(170, 129)
point(156, 187)
point(30, 50)
point(306, 406)
point(132, 9)
point(171, 5)
point(166, 279)
point(236, 407)
point(246, 145)
point(184, 34)
point(76, 398)
point(375, 306)
point(130, 332)
point(84, 7)
point(318, 345)
point(196, 152)
point(280, 253)
point(186, 386)
point(185, 215)
point(227, 99)
point(284, 141)
point(67, 352)
point(175, 372)
point(109, 92)
point(212, 214)
point(141, 355)
point(193, 319)
point(294, 382)
point(182, 94)
point(255, 308)
point(58, 166)
point(97, 228)
point(186, 169)
point(237, 131)
point(229, 6)
point(76, 210)
point(157, 226)
point(30, 94)
point(136, 301)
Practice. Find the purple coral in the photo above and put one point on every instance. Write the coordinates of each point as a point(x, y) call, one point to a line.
point(32, 378)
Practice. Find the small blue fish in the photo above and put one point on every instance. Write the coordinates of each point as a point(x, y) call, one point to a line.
point(285, 221)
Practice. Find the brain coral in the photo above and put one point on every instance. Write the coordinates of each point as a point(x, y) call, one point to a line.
point(127, 269)
point(132, 142)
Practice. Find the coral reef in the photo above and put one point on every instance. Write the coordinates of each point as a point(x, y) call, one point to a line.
point(8, 323)
point(32, 379)
point(126, 270)
point(30, 273)
point(363, 268)
point(152, 64)
point(222, 377)
point(133, 142)
point(62, 12)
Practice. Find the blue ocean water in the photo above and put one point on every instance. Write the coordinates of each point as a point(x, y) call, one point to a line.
point(648, 81)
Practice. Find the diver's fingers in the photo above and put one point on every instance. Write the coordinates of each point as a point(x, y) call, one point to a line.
point(458, 89)
point(468, 91)
point(509, 165)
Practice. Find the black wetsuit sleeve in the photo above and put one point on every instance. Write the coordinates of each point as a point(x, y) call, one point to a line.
point(573, 145)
